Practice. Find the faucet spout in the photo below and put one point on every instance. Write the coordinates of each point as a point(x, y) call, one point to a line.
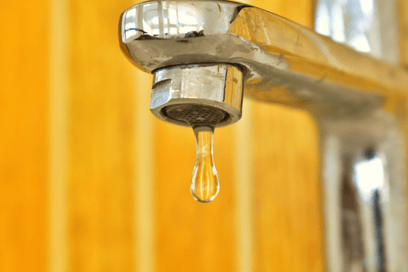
point(207, 52)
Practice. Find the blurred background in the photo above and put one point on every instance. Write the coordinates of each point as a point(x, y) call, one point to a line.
point(90, 181)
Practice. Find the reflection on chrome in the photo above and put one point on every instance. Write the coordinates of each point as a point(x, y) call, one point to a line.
point(369, 177)
point(367, 25)
point(352, 21)
point(172, 19)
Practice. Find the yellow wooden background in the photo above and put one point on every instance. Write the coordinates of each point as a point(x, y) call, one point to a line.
point(90, 181)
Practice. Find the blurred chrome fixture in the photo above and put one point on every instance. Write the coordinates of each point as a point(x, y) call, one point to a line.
point(202, 52)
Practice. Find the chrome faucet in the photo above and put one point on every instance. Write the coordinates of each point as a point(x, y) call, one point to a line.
point(203, 54)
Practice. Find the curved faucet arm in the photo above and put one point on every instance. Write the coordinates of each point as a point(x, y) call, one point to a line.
point(304, 52)
point(284, 62)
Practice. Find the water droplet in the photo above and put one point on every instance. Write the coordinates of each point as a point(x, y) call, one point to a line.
point(204, 184)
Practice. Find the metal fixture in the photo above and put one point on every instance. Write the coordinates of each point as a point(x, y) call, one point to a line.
point(203, 52)
point(201, 93)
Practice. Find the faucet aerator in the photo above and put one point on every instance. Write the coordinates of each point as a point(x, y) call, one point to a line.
point(200, 94)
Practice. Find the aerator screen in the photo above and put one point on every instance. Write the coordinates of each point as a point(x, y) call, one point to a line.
point(196, 114)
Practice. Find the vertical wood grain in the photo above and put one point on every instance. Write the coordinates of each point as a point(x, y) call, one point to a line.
point(23, 135)
point(287, 212)
point(145, 175)
point(58, 134)
point(101, 171)
point(244, 193)
point(287, 206)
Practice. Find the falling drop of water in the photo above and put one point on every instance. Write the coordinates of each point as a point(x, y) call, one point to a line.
point(204, 183)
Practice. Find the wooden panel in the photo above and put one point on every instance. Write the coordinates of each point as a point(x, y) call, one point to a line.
point(23, 135)
point(145, 176)
point(287, 212)
point(58, 137)
point(287, 204)
point(101, 143)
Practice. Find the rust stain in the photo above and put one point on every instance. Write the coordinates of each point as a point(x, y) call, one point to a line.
point(219, 6)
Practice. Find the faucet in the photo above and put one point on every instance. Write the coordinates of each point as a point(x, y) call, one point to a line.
point(204, 54)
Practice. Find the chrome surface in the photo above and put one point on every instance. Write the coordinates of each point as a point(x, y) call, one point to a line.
point(368, 26)
point(358, 101)
point(182, 24)
point(216, 39)
point(219, 86)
